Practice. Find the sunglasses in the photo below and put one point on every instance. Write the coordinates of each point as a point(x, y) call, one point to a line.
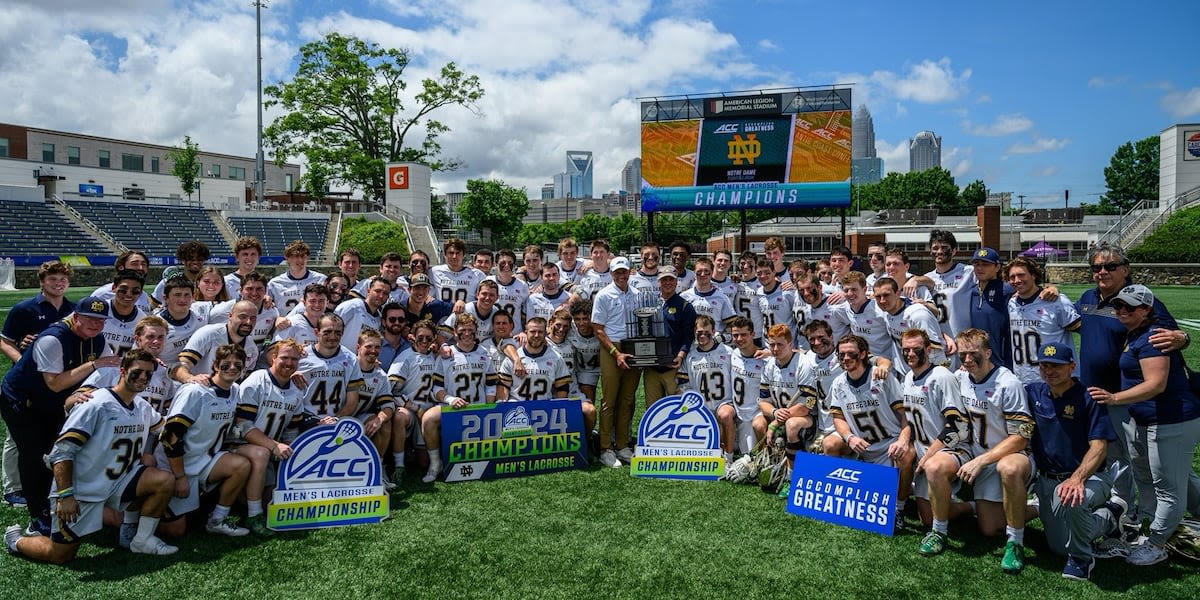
point(1120, 306)
point(395, 319)
point(129, 291)
point(1110, 267)
point(424, 338)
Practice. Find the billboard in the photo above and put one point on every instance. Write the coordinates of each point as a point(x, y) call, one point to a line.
point(776, 150)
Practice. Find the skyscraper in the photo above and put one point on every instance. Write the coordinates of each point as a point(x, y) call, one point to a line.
point(578, 174)
point(862, 144)
point(924, 151)
point(631, 176)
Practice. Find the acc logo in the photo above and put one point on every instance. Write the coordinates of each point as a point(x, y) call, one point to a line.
point(333, 454)
point(845, 474)
point(679, 421)
point(516, 423)
point(398, 178)
point(727, 128)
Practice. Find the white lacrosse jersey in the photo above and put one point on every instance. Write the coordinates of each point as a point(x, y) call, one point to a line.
point(467, 374)
point(330, 379)
point(998, 407)
point(453, 286)
point(546, 374)
point(110, 437)
point(929, 399)
point(708, 373)
point(746, 376)
point(207, 413)
point(286, 292)
point(1035, 322)
point(869, 407)
point(271, 405)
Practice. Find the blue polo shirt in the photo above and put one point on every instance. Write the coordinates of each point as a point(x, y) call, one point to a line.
point(989, 312)
point(1064, 426)
point(1176, 403)
point(1102, 338)
point(680, 320)
point(33, 316)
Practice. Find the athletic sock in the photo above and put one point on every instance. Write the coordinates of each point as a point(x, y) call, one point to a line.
point(399, 458)
point(1015, 534)
point(146, 527)
point(131, 517)
point(219, 514)
point(900, 507)
point(253, 508)
point(435, 456)
point(942, 527)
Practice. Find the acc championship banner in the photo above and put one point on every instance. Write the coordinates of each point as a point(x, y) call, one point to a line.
point(332, 478)
point(844, 492)
point(512, 439)
point(782, 150)
point(678, 438)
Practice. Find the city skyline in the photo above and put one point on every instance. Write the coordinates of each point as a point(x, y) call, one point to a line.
point(1034, 106)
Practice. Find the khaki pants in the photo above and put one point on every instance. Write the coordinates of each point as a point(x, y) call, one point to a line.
point(658, 385)
point(618, 389)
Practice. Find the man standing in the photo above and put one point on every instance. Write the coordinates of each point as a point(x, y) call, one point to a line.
point(126, 288)
point(134, 260)
point(989, 304)
point(864, 317)
point(722, 263)
point(612, 308)
point(646, 278)
point(568, 260)
point(1033, 320)
point(876, 256)
point(395, 335)
point(302, 326)
point(331, 374)
point(1069, 444)
point(349, 262)
point(420, 306)
point(591, 282)
point(177, 313)
point(679, 318)
point(550, 296)
point(903, 314)
point(511, 293)
point(287, 289)
point(776, 304)
point(455, 281)
point(24, 322)
point(952, 285)
point(816, 307)
point(196, 358)
point(390, 265)
point(97, 460)
point(361, 313)
point(254, 291)
point(681, 253)
point(483, 308)
point(35, 388)
point(706, 299)
point(192, 255)
point(247, 251)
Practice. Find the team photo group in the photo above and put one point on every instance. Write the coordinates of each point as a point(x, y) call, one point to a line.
point(137, 405)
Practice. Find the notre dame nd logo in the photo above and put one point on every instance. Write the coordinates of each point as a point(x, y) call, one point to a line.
point(744, 150)
point(332, 478)
point(678, 438)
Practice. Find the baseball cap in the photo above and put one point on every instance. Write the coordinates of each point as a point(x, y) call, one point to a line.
point(1056, 353)
point(987, 255)
point(619, 263)
point(667, 271)
point(418, 279)
point(93, 306)
point(1136, 295)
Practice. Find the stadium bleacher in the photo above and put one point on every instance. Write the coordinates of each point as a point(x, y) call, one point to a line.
point(153, 228)
point(275, 233)
point(36, 228)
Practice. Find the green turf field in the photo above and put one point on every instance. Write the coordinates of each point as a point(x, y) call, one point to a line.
point(580, 535)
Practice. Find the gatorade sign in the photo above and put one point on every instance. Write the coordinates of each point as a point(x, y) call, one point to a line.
point(397, 178)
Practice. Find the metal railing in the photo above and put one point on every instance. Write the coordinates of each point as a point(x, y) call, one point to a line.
point(94, 229)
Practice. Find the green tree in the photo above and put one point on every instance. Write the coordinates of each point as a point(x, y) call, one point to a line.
point(186, 164)
point(344, 103)
point(316, 177)
point(590, 227)
point(625, 231)
point(540, 233)
point(494, 206)
point(373, 239)
point(1132, 174)
point(439, 216)
point(974, 194)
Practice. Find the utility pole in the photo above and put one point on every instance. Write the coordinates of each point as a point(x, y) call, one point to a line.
point(260, 171)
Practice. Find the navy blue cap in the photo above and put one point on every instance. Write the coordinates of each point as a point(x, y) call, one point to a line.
point(987, 255)
point(93, 306)
point(1056, 353)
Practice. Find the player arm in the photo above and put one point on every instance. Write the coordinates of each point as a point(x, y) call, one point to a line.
point(504, 381)
point(9, 347)
point(350, 406)
point(905, 436)
point(58, 382)
point(1154, 372)
point(562, 386)
point(1013, 443)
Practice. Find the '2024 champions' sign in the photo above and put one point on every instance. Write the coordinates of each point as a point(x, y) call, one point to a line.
point(512, 439)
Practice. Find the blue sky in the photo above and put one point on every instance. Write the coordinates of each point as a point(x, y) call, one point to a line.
point(1030, 97)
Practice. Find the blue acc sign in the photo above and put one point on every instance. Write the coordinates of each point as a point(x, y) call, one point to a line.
point(845, 492)
point(332, 478)
point(513, 439)
point(678, 438)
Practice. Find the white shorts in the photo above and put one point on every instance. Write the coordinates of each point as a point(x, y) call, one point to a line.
point(876, 457)
point(746, 412)
point(589, 377)
point(91, 514)
point(987, 485)
point(197, 484)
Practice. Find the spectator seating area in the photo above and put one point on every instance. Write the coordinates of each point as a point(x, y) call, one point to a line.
point(153, 228)
point(36, 228)
point(275, 233)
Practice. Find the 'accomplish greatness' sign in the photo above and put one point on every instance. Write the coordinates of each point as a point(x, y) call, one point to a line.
point(845, 492)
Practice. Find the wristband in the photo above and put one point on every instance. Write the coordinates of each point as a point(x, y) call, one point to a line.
point(612, 349)
point(65, 493)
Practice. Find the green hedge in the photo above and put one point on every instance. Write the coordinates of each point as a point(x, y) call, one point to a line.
point(1177, 240)
point(372, 239)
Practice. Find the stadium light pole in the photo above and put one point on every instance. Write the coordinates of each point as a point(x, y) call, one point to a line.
point(260, 174)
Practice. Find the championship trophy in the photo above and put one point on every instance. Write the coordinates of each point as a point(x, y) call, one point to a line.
point(646, 337)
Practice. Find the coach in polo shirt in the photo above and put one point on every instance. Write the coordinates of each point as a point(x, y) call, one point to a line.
point(610, 311)
point(1070, 442)
point(34, 390)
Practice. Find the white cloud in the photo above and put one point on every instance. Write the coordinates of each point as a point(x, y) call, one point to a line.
point(983, 99)
point(895, 156)
point(1038, 145)
point(767, 45)
point(1006, 124)
point(1100, 81)
point(1182, 104)
point(927, 82)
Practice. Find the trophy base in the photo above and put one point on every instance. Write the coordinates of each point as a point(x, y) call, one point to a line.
point(648, 352)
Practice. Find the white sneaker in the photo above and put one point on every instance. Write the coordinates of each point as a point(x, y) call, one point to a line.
point(126, 534)
point(625, 455)
point(1146, 554)
point(608, 458)
point(435, 469)
point(152, 545)
point(728, 459)
point(387, 482)
point(12, 533)
point(225, 527)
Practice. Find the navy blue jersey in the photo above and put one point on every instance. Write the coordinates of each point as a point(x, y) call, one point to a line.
point(1176, 403)
point(989, 312)
point(57, 350)
point(33, 316)
point(1064, 426)
point(1103, 338)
